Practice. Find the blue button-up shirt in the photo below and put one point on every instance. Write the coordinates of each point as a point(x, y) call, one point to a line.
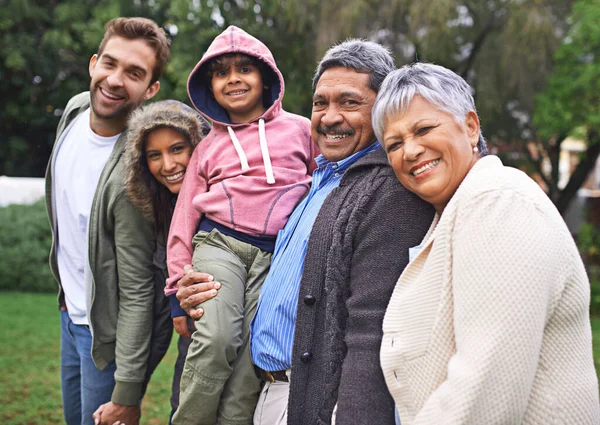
point(272, 330)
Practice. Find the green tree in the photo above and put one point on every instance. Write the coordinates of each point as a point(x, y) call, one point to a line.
point(505, 50)
point(570, 104)
point(45, 47)
point(40, 48)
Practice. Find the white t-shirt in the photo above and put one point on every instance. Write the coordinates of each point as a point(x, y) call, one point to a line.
point(77, 168)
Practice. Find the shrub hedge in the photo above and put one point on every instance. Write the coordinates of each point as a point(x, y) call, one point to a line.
point(594, 273)
point(25, 240)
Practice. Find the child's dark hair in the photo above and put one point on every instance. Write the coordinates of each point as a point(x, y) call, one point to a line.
point(223, 62)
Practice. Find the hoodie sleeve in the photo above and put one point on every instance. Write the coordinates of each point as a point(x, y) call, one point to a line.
point(184, 223)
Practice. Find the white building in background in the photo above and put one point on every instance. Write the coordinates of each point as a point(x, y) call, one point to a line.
point(27, 190)
point(20, 190)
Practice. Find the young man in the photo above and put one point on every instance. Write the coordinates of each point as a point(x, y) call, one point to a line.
point(101, 242)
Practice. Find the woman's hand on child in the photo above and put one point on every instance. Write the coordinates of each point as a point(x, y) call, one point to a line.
point(194, 288)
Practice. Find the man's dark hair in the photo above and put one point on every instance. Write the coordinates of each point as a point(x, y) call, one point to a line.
point(144, 29)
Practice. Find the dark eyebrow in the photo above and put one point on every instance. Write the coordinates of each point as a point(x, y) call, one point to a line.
point(349, 94)
point(107, 56)
point(183, 141)
point(318, 97)
point(132, 66)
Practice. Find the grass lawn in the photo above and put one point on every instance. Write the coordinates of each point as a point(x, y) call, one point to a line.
point(29, 360)
point(596, 342)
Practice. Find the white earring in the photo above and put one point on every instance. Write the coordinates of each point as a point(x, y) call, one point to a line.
point(475, 148)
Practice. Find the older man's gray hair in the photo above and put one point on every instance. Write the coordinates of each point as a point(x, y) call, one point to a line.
point(439, 86)
point(360, 55)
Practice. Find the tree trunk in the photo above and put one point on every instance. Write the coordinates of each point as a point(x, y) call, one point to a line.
point(580, 174)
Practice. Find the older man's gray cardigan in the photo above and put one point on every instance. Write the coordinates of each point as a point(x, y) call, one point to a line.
point(357, 250)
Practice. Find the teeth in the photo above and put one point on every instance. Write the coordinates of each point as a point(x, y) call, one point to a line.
point(235, 93)
point(110, 95)
point(174, 176)
point(335, 136)
point(425, 167)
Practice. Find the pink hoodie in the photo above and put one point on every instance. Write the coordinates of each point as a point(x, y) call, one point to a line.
point(248, 177)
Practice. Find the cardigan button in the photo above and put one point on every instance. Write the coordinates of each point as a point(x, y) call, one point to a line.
point(309, 300)
point(306, 357)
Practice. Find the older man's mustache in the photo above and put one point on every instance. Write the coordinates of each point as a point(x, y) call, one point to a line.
point(335, 129)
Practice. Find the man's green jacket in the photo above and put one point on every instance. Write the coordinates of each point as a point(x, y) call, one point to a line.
point(120, 249)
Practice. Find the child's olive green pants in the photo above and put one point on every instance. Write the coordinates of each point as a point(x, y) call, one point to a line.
point(218, 384)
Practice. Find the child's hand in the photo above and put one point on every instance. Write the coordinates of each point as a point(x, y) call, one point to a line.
point(181, 326)
point(194, 288)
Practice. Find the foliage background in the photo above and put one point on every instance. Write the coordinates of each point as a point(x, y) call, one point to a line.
point(25, 240)
point(534, 64)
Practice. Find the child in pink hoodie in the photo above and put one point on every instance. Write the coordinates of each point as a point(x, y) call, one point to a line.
point(243, 182)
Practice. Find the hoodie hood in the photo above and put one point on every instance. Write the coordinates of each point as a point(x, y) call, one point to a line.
point(165, 113)
point(234, 40)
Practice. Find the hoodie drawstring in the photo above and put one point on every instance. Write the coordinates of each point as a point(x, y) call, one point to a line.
point(238, 149)
point(264, 149)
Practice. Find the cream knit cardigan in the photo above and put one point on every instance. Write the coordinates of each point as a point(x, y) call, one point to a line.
point(489, 324)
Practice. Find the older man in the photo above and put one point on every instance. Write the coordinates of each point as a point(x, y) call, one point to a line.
point(336, 261)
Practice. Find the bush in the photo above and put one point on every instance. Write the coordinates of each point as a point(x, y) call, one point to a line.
point(25, 240)
point(588, 241)
point(595, 295)
point(594, 274)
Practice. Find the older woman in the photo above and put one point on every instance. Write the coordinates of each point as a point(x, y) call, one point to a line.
point(489, 322)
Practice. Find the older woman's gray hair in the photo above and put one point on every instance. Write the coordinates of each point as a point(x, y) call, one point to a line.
point(360, 55)
point(439, 86)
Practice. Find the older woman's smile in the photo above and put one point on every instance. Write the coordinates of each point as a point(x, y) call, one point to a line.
point(421, 168)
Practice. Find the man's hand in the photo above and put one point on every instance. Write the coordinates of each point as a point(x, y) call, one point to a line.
point(111, 413)
point(181, 326)
point(195, 288)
